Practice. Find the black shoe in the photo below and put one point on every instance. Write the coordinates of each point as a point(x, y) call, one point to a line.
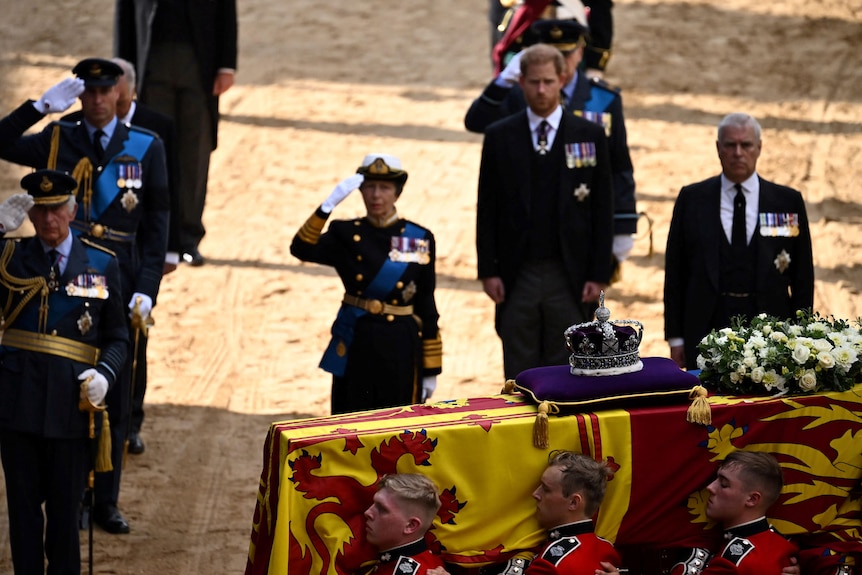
point(193, 257)
point(109, 518)
point(136, 444)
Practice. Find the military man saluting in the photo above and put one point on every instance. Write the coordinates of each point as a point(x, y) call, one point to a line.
point(123, 205)
point(63, 323)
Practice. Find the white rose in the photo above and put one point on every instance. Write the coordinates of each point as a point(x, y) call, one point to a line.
point(757, 374)
point(778, 336)
point(822, 345)
point(767, 329)
point(734, 377)
point(701, 362)
point(825, 359)
point(808, 381)
point(801, 353)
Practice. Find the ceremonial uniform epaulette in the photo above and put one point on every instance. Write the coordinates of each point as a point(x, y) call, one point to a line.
point(737, 549)
point(91, 244)
point(601, 83)
point(137, 128)
point(67, 124)
point(406, 566)
point(560, 548)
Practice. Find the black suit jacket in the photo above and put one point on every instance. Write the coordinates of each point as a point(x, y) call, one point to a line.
point(497, 102)
point(163, 125)
point(585, 228)
point(692, 261)
point(213, 28)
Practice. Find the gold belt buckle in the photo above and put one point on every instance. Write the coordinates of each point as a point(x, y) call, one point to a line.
point(374, 306)
point(97, 231)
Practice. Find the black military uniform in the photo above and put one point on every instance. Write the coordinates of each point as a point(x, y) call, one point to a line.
point(385, 338)
point(123, 205)
point(592, 99)
point(60, 320)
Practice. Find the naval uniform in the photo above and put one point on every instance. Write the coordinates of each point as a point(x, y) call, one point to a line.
point(123, 205)
point(573, 549)
point(385, 338)
point(43, 435)
point(752, 549)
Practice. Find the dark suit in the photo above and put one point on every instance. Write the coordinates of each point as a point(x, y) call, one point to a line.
point(145, 225)
point(43, 435)
point(175, 76)
point(692, 262)
point(584, 224)
point(497, 102)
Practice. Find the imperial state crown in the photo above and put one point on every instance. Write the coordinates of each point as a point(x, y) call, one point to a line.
point(604, 346)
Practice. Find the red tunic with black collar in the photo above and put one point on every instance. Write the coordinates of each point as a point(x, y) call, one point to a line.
point(411, 559)
point(752, 549)
point(573, 549)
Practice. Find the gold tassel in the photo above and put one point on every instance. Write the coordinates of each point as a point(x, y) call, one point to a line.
point(509, 386)
point(103, 457)
point(55, 148)
point(699, 411)
point(540, 427)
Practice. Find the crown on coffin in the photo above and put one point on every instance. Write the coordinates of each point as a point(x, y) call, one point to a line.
point(604, 346)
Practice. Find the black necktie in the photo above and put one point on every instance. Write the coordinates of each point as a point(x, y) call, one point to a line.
point(97, 145)
point(738, 237)
point(54, 270)
point(542, 138)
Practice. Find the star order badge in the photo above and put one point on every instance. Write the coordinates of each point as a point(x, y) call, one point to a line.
point(581, 192)
point(85, 322)
point(129, 200)
point(782, 261)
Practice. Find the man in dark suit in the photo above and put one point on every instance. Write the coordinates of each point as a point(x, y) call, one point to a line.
point(123, 206)
point(130, 111)
point(185, 52)
point(544, 218)
point(71, 329)
point(738, 245)
point(589, 98)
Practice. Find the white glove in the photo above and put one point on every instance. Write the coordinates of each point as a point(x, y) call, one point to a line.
point(13, 211)
point(341, 191)
point(429, 384)
point(146, 304)
point(97, 388)
point(511, 73)
point(622, 247)
point(60, 96)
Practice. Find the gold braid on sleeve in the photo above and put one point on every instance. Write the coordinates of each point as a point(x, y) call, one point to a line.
point(83, 174)
point(310, 231)
point(432, 353)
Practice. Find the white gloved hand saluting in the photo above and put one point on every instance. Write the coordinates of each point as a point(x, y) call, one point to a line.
point(429, 384)
point(341, 191)
point(97, 388)
point(146, 304)
point(60, 96)
point(511, 73)
point(13, 211)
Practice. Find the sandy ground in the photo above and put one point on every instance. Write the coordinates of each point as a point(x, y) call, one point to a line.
point(237, 342)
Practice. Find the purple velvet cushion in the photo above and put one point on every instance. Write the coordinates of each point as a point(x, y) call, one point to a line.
point(660, 379)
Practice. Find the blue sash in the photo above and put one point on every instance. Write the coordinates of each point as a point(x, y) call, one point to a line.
point(105, 188)
point(335, 357)
point(59, 303)
point(599, 100)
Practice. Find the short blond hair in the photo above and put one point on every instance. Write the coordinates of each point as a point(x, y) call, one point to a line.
point(413, 489)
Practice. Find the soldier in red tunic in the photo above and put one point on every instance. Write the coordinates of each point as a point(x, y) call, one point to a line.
point(746, 486)
point(396, 522)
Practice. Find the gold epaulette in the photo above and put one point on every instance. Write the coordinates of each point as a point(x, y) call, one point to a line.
point(432, 353)
point(92, 244)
